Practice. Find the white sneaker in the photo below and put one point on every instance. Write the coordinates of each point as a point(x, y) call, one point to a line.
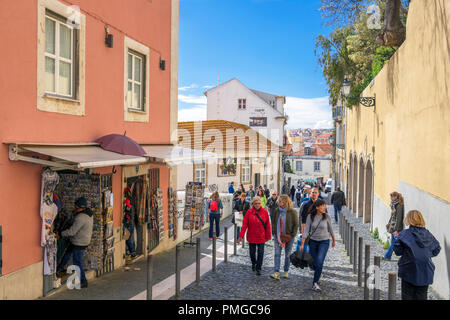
point(316, 287)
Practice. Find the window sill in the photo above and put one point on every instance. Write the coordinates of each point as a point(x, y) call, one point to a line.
point(136, 111)
point(56, 97)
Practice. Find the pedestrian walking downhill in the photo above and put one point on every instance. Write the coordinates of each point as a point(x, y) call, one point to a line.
point(285, 226)
point(318, 231)
point(416, 246)
point(395, 224)
point(262, 195)
point(256, 224)
point(215, 212)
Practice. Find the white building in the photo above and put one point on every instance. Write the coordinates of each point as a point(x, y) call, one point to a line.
point(263, 112)
point(312, 162)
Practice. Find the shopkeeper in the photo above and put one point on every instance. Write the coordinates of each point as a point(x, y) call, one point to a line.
point(79, 235)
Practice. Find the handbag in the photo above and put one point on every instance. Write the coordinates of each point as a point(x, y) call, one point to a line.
point(285, 238)
point(126, 234)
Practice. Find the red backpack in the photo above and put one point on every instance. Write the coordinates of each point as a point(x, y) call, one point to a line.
point(213, 205)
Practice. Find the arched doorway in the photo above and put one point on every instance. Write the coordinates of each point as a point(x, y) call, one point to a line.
point(368, 194)
point(361, 189)
point(354, 184)
point(350, 184)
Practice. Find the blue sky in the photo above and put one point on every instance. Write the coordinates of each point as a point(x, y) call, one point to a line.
point(266, 44)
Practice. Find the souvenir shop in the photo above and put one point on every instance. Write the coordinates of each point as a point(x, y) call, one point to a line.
point(143, 201)
point(60, 189)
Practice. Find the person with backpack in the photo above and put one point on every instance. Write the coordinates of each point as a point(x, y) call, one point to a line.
point(272, 203)
point(79, 234)
point(416, 246)
point(251, 193)
point(257, 225)
point(292, 192)
point(298, 196)
point(285, 226)
point(241, 207)
point(215, 206)
point(395, 224)
point(317, 233)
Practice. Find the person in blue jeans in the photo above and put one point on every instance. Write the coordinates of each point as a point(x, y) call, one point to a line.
point(395, 224)
point(337, 200)
point(79, 235)
point(285, 224)
point(214, 206)
point(318, 229)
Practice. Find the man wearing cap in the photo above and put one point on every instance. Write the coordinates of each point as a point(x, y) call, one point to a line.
point(79, 235)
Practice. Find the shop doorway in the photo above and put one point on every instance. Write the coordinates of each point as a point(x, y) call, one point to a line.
point(138, 199)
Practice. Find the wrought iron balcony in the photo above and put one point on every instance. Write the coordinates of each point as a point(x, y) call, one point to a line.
point(337, 113)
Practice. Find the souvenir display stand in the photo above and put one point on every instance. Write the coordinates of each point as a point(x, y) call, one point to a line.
point(193, 208)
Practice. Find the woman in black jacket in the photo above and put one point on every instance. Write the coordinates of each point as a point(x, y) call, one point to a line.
point(395, 224)
point(241, 206)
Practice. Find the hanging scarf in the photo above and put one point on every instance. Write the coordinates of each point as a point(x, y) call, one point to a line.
point(281, 225)
point(393, 205)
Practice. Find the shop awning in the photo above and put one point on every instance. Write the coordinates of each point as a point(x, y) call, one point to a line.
point(174, 155)
point(70, 156)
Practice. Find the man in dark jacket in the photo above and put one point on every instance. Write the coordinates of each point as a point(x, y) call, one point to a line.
point(416, 246)
point(241, 205)
point(272, 203)
point(79, 235)
point(266, 192)
point(338, 200)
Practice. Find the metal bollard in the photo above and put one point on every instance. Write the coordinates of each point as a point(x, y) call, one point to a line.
point(355, 251)
point(376, 290)
point(214, 253)
point(346, 235)
point(392, 289)
point(225, 258)
point(243, 242)
point(360, 260)
point(340, 224)
point(197, 265)
point(366, 273)
point(350, 235)
point(235, 240)
point(149, 277)
point(177, 272)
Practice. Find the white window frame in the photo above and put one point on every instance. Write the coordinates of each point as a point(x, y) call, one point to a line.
point(246, 171)
point(200, 172)
point(57, 58)
point(242, 104)
point(47, 100)
point(141, 106)
point(318, 165)
point(132, 114)
point(301, 166)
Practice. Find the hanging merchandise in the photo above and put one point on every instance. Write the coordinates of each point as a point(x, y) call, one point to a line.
point(48, 213)
point(173, 211)
point(159, 200)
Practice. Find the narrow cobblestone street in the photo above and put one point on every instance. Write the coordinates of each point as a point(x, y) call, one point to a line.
point(235, 279)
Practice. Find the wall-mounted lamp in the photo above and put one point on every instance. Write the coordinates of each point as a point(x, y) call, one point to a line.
point(162, 64)
point(109, 38)
point(365, 101)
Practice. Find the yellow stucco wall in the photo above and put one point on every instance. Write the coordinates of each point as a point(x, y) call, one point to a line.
point(410, 125)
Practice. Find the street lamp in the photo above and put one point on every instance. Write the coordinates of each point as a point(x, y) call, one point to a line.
point(365, 101)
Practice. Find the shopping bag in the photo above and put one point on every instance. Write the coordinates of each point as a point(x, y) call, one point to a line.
point(238, 218)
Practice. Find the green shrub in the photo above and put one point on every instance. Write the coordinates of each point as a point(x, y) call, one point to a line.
point(376, 234)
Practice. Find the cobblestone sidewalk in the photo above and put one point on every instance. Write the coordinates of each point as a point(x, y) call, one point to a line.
point(235, 279)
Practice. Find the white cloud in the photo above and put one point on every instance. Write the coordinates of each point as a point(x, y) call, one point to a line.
point(308, 113)
point(196, 113)
point(207, 87)
point(192, 99)
point(192, 86)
